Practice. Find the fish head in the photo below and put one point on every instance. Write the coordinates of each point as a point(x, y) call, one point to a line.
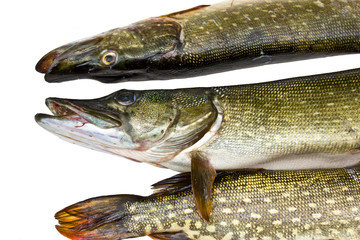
point(121, 54)
point(147, 126)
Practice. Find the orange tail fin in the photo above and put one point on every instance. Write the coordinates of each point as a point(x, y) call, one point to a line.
point(96, 219)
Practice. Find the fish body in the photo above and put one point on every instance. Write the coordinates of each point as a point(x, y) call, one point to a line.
point(298, 123)
point(293, 205)
point(209, 39)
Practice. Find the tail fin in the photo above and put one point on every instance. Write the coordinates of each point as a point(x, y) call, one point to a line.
point(96, 218)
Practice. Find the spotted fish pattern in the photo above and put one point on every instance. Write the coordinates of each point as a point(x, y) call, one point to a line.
point(209, 39)
point(267, 205)
point(258, 30)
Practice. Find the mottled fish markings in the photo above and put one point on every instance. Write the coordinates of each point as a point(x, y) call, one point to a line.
point(208, 39)
point(282, 205)
point(300, 123)
point(355, 174)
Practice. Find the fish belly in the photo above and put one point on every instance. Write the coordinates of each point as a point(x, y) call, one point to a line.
point(225, 161)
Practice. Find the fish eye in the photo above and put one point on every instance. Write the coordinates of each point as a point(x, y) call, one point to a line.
point(125, 98)
point(109, 57)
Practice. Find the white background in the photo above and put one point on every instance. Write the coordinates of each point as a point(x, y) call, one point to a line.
point(41, 174)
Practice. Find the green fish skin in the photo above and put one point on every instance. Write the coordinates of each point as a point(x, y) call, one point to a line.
point(298, 123)
point(292, 205)
point(209, 39)
point(301, 123)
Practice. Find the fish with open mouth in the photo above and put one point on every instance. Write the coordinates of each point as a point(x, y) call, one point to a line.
point(298, 123)
point(292, 205)
point(209, 39)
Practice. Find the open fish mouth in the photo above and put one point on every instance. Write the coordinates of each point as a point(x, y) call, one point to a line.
point(63, 111)
point(68, 110)
point(81, 126)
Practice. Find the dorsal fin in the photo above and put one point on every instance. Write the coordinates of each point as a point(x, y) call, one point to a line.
point(183, 12)
point(172, 184)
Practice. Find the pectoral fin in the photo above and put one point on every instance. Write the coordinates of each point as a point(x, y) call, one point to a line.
point(202, 180)
point(169, 236)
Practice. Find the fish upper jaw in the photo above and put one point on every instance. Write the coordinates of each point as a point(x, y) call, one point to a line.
point(68, 61)
point(69, 109)
point(45, 64)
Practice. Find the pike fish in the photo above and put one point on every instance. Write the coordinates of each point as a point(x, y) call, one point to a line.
point(209, 39)
point(299, 123)
point(292, 205)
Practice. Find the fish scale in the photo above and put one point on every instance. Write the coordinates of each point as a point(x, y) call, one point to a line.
point(260, 104)
point(305, 204)
point(210, 39)
point(254, 28)
point(300, 123)
point(290, 203)
point(275, 120)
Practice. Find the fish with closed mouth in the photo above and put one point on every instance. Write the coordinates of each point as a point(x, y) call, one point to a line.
point(209, 39)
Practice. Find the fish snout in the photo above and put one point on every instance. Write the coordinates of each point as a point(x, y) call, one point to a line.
point(45, 64)
point(40, 116)
point(70, 61)
point(86, 110)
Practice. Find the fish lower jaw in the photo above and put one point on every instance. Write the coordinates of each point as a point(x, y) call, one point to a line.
point(53, 121)
point(75, 129)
